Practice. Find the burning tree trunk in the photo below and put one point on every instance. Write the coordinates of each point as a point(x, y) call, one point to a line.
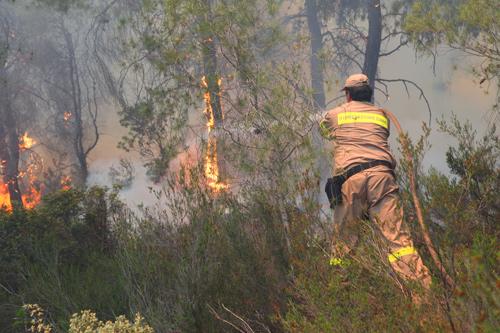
point(372, 51)
point(212, 79)
point(9, 139)
point(10, 193)
point(212, 83)
point(316, 45)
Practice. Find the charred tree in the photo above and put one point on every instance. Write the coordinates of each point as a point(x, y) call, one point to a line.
point(80, 90)
point(372, 51)
point(317, 80)
point(9, 138)
point(11, 176)
point(214, 168)
point(76, 101)
point(211, 71)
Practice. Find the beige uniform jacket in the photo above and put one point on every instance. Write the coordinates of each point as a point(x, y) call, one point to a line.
point(359, 131)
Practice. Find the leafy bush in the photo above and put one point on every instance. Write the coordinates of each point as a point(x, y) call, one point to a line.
point(255, 261)
point(87, 322)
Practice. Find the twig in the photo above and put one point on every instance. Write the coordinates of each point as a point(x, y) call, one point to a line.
point(405, 82)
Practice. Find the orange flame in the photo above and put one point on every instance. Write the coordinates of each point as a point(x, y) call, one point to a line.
point(66, 183)
point(26, 142)
point(32, 196)
point(5, 197)
point(211, 159)
point(30, 199)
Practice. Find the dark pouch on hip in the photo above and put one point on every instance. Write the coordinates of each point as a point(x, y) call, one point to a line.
point(333, 189)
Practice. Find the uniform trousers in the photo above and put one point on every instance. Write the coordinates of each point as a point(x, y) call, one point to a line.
point(374, 193)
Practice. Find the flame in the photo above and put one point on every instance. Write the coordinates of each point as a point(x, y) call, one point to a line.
point(66, 183)
point(30, 199)
point(32, 195)
point(5, 197)
point(26, 142)
point(67, 116)
point(211, 159)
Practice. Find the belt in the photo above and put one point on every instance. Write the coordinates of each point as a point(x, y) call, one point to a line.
point(363, 166)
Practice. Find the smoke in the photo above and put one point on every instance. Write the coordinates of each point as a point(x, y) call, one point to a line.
point(142, 192)
point(451, 89)
point(139, 193)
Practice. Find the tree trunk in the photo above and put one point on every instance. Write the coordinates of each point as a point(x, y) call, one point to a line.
point(12, 167)
point(212, 79)
point(9, 140)
point(76, 100)
point(317, 80)
point(317, 84)
point(374, 40)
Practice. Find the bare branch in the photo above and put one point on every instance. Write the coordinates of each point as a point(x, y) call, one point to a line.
point(218, 317)
point(405, 83)
point(386, 95)
point(394, 50)
point(393, 34)
point(245, 324)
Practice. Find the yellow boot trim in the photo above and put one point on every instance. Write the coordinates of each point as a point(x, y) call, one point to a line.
point(404, 251)
point(336, 262)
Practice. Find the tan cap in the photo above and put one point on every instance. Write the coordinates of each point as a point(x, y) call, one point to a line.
point(356, 80)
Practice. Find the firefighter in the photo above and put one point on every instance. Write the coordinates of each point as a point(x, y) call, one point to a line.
point(364, 184)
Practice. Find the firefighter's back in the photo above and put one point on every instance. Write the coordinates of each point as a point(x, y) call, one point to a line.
point(360, 134)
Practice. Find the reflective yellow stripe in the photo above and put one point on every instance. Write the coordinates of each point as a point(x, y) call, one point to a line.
point(396, 255)
point(362, 117)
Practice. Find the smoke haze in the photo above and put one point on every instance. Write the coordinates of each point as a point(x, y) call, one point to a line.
point(451, 89)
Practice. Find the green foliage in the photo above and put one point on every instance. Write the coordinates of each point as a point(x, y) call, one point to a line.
point(205, 255)
point(469, 202)
point(352, 299)
point(476, 307)
point(59, 255)
point(35, 321)
point(87, 322)
point(257, 260)
point(462, 213)
point(469, 25)
point(168, 49)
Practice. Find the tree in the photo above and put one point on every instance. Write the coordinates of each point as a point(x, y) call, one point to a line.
point(16, 105)
point(9, 136)
point(171, 46)
point(70, 81)
point(352, 47)
point(471, 26)
point(317, 79)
